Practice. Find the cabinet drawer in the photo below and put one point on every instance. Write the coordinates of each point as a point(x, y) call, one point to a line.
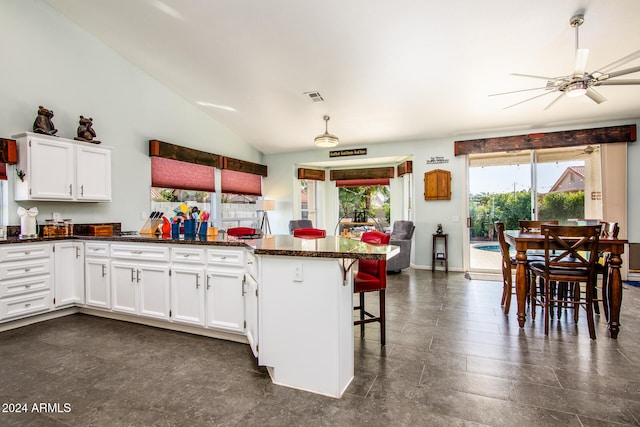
point(225, 257)
point(188, 255)
point(30, 267)
point(252, 265)
point(25, 304)
point(23, 251)
point(9, 288)
point(148, 253)
point(96, 249)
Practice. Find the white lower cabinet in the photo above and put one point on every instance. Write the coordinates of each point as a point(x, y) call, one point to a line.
point(141, 289)
point(25, 280)
point(251, 312)
point(97, 275)
point(68, 282)
point(225, 299)
point(187, 294)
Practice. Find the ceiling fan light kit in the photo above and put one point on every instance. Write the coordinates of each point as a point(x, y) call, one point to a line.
point(326, 140)
point(581, 82)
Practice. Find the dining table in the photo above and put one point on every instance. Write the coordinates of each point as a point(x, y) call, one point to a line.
point(523, 242)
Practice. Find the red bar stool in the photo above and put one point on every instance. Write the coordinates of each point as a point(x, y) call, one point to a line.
point(309, 233)
point(372, 276)
point(241, 231)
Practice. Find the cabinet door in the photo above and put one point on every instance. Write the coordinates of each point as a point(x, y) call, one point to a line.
point(97, 282)
point(251, 312)
point(51, 169)
point(187, 295)
point(123, 287)
point(68, 282)
point(225, 301)
point(153, 291)
point(93, 173)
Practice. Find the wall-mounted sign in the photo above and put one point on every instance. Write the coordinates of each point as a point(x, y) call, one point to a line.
point(352, 152)
point(437, 160)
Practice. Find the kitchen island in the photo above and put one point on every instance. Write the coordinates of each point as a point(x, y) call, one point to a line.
point(295, 295)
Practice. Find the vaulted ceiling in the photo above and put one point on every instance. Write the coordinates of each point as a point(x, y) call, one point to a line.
point(387, 70)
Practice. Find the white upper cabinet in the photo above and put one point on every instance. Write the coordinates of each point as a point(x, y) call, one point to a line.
point(51, 168)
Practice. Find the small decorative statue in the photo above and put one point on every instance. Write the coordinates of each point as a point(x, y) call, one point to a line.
point(43, 123)
point(439, 229)
point(85, 131)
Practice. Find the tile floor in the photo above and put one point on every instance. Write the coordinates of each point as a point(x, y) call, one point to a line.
point(452, 359)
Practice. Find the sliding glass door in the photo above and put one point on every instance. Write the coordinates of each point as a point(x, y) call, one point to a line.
point(563, 184)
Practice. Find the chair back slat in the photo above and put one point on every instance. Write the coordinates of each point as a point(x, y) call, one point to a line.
point(527, 226)
point(571, 246)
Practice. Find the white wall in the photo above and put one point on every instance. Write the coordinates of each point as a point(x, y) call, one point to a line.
point(47, 60)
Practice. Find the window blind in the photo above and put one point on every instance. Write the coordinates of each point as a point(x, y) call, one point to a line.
point(240, 183)
point(350, 183)
point(168, 173)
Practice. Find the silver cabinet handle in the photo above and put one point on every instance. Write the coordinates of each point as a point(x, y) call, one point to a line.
point(26, 270)
point(133, 272)
point(104, 270)
point(27, 286)
point(77, 252)
point(137, 276)
point(208, 284)
point(70, 189)
point(198, 281)
point(82, 190)
point(27, 252)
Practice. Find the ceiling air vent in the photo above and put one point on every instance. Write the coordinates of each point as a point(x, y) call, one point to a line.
point(315, 96)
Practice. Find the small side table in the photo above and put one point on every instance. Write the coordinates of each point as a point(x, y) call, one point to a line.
point(440, 256)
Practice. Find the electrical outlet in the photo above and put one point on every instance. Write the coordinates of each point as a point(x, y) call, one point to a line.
point(56, 216)
point(455, 219)
point(143, 215)
point(297, 273)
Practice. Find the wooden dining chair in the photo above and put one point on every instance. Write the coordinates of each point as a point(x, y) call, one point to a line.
point(527, 226)
point(508, 266)
point(571, 253)
point(372, 276)
point(609, 229)
point(309, 233)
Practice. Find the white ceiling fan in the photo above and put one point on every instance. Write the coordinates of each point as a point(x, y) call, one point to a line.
point(581, 82)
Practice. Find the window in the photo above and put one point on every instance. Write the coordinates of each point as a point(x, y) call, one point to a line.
point(238, 210)
point(309, 200)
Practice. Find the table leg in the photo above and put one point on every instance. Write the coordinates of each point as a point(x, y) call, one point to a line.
point(615, 295)
point(521, 285)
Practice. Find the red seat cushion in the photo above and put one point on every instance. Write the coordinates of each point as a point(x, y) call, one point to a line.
point(366, 282)
point(309, 233)
point(241, 231)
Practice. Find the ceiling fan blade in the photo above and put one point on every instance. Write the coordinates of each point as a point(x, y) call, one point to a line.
point(529, 99)
point(620, 62)
point(534, 76)
point(554, 101)
point(595, 96)
point(622, 82)
point(582, 55)
point(516, 91)
point(617, 73)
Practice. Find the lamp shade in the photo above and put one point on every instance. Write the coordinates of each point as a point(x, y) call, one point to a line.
point(265, 205)
point(326, 140)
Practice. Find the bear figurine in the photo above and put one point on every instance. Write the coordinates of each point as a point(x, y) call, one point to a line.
point(85, 131)
point(43, 123)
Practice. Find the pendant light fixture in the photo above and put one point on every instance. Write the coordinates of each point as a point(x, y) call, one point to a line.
point(326, 140)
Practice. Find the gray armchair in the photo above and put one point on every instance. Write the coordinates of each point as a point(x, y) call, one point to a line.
point(299, 223)
point(401, 235)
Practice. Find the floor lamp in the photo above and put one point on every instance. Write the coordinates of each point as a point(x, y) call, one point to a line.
point(265, 206)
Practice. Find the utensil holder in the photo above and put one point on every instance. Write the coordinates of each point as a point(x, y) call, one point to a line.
point(190, 227)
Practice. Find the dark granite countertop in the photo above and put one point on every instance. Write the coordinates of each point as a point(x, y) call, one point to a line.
point(276, 245)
